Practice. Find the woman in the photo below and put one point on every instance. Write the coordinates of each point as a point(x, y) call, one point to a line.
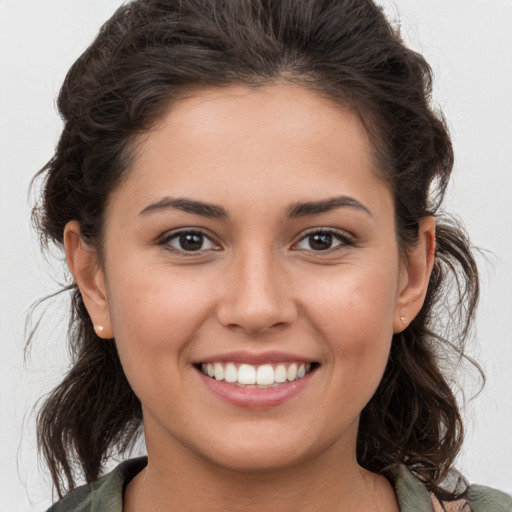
point(247, 194)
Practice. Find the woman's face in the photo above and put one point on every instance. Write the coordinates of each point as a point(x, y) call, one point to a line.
point(254, 240)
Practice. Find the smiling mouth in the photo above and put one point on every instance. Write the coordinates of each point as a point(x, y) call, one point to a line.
point(256, 376)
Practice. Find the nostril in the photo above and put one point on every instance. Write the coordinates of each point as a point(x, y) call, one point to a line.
point(257, 299)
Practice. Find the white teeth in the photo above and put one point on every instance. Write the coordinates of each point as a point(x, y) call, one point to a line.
point(291, 373)
point(257, 376)
point(219, 371)
point(231, 373)
point(280, 373)
point(265, 375)
point(246, 374)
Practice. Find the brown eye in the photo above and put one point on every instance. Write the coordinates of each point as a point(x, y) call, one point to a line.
point(324, 240)
point(320, 241)
point(188, 241)
point(191, 241)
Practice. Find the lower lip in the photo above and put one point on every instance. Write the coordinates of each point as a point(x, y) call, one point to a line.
point(255, 398)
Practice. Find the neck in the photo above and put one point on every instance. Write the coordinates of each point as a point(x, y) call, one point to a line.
point(330, 481)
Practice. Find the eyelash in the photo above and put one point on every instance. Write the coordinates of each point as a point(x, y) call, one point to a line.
point(341, 236)
point(166, 239)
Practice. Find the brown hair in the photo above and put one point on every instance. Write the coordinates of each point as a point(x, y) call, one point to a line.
point(147, 56)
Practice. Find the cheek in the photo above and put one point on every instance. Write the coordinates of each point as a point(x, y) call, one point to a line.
point(353, 318)
point(156, 313)
point(353, 311)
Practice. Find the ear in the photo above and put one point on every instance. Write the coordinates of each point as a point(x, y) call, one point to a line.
point(415, 275)
point(85, 267)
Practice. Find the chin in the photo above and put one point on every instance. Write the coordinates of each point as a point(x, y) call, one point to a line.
point(258, 460)
point(260, 452)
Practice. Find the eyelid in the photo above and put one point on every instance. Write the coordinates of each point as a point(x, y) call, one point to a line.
point(164, 240)
point(341, 236)
point(345, 239)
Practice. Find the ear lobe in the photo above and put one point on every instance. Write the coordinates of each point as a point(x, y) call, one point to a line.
point(416, 275)
point(83, 263)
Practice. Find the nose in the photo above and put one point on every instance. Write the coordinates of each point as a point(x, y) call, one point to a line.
point(258, 295)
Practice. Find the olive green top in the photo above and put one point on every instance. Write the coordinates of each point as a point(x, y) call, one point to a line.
point(106, 494)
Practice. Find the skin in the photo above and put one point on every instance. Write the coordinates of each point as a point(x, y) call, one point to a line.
point(258, 285)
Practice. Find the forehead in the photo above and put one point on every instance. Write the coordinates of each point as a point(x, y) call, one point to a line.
point(277, 137)
point(286, 110)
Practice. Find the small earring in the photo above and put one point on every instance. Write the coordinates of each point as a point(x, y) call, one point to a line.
point(99, 328)
point(403, 319)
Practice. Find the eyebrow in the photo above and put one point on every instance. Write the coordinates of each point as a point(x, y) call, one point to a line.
point(297, 210)
point(187, 205)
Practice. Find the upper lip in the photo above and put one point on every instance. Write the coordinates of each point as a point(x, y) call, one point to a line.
point(242, 356)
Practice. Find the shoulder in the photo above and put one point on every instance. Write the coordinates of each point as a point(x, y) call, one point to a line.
point(413, 496)
point(478, 499)
point(103, 495)
point(485, 499)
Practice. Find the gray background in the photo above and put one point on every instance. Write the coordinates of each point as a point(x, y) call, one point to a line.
point(469, 45)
